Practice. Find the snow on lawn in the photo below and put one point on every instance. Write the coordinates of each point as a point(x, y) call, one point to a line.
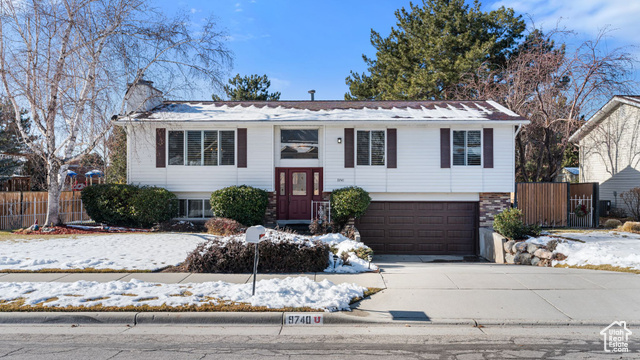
point(599, 248)
point(273, 293)
point(113, 251)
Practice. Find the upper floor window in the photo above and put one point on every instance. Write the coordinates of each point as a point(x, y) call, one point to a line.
point(467, 149)
point(299, 144)
point(370, 147)
point(208, 148)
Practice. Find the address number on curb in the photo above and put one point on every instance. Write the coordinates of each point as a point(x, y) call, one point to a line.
point(303, 319)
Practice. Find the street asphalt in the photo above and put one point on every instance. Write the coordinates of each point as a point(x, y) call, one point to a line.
point(414, 292)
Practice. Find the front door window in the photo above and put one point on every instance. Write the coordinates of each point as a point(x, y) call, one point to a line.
point(299, 184)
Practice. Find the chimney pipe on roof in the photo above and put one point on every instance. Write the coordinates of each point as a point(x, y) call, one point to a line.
point(312, 92)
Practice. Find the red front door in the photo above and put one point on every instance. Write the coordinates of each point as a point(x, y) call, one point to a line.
point(296, 189)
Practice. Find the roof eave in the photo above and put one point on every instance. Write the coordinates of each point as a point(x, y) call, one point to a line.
point(599, 116)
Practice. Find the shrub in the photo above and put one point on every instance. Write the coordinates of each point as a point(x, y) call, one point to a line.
point(619, 213)
point(236, 256)
point(509, 223)
point(631, 226)
point(129, 205)
point(244, 204)
point(363, 252)
point(319, 227)
point(631, 198)
point(349, 202)
point(612, 223)
point(223, 226)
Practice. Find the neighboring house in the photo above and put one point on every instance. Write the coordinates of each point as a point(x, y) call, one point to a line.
point(18, 181)
point(569, 174)
point(436, 170)
point(610, 148)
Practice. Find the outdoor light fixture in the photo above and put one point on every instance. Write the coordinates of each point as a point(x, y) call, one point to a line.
point(335, 260)
point(339, 140)
point(369, 257)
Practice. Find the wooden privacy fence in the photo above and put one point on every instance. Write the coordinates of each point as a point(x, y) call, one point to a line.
point(21, 209)
point(554, 204)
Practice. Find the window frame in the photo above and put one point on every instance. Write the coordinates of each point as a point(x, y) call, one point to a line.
point(384, 147)
point(202, 146)
point(317, 144)
point(186, 208)
point(466, 152)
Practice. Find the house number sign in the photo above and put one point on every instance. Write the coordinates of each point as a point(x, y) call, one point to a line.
point(303, 319)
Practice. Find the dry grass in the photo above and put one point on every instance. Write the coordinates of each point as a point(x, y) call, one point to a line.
point(216, 305)
point(631, 226)
point(601, 267)
point(86, 270)
point(367, 293)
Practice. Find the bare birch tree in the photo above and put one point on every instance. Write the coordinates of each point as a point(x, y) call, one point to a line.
point(555, 90)
point(68, 62)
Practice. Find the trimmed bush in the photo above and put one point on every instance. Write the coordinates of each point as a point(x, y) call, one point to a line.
point(237, 257)
point(349, 202)
point(612, 223)
point(244, 204)
point(223, 226)
point(509, 223)
point(129, 205)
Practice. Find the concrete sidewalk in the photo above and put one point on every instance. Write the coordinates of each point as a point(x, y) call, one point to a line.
point(489, 293)
point(366, 279)
point(415, 290)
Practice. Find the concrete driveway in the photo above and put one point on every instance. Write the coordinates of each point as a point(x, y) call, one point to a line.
point(487, 293)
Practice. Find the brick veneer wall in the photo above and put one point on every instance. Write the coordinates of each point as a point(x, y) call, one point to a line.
point(492, 204)
point(272, 212)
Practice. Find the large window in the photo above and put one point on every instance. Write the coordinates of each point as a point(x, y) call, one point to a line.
point(466, 148)
point(299, 144)
point(208, 148)
point(370, 147)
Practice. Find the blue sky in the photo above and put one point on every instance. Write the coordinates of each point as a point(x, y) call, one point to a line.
point(303, 44)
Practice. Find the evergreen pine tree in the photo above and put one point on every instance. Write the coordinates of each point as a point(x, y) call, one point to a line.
point(432, 47)
point(248, 88)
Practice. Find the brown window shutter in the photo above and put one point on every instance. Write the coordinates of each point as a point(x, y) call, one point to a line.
point(161, 154)
point(242, 148)
point(445, 148)
point(348, 148)
point(487, 147)
point(392, 148)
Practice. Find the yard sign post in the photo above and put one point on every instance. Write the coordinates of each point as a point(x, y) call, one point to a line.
point(254, 236)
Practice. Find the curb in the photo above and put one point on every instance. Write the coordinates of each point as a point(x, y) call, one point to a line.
point(251, 318)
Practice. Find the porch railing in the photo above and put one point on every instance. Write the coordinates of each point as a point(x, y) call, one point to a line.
point(321, 211)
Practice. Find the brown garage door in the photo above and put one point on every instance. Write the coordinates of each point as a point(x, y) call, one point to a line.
point(423, 228)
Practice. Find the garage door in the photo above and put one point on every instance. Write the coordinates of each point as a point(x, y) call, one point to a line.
point(422, 228)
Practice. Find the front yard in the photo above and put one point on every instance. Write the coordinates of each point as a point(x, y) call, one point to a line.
point(150, 252)
point(597, 249)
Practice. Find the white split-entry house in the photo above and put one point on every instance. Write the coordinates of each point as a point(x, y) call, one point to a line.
point(436, 171)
